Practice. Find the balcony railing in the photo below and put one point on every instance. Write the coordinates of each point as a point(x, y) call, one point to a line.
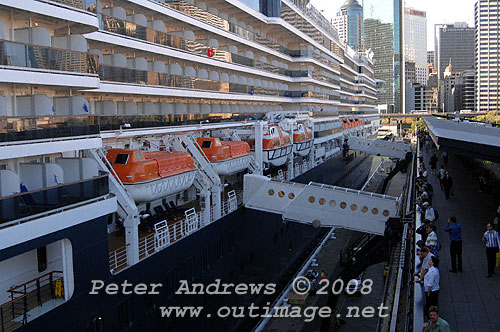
point(34, 202)
point(89, 5)
point(43, 57)
point(28, 296)
point(14, 129)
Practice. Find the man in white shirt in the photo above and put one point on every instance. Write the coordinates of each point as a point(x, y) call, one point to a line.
point(426, 257)
point(431, 284)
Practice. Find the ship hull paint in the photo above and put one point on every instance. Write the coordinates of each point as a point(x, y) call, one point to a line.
point(162, 187)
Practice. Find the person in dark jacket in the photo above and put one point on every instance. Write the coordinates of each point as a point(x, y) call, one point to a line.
point(447, 184)
point(433, 163)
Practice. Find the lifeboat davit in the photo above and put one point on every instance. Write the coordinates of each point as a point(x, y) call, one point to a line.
point(152, 175)
point(302, 140)
point(226, 157)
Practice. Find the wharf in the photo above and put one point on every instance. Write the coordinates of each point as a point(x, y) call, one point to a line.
point(468, 300)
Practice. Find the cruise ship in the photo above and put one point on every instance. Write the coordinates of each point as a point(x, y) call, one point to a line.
point(127, 128)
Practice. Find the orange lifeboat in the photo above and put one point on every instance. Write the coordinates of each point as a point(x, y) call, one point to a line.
point(152, 175)
point(226, 157)
point(302, 139)
point(276, 146)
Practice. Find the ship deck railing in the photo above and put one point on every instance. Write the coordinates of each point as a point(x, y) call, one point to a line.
point(26, 206)
point(175, 230)
point(28, 296)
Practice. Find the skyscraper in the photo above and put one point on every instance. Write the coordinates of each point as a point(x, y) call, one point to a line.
point(382, 34)
point(415, 30)
point(349, 24)
point(487, 54)
point(455, 43)
point(379, 38)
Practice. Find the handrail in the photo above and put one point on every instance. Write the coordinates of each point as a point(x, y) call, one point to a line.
point(54, 187)
point(12, 301)
point(27, 282)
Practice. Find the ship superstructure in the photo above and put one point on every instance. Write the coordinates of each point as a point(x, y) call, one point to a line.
point(137, 120)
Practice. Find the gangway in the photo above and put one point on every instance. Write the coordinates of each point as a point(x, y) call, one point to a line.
point(379, 147)
point(320, 204)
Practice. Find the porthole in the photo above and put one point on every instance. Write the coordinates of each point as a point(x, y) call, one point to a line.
point(322, 201)
point(343, 205)
point(364, 209)
point(270, 192)
point(312, 199)
point(333, 203)
point(291, 196)
point(386, 213)
point(375, 211)
point(354, 207)
point(281, 194)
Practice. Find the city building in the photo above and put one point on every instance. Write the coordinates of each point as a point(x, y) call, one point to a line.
point(415, 43)
point(383, 35)
point(487, 55)
point(455, 43)
point(447, 89)
point(465, 91)
point(410, 72)
point(430, 58)
point(349, 24)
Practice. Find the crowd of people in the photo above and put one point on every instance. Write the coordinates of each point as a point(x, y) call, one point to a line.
point(428, 274)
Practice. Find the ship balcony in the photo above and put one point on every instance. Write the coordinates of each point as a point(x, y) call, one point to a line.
point(27, 206)
point(194, 79)
point(184, 41)
point(80, 14)
point(34, 281)
point(31, 299)
point(29, 64)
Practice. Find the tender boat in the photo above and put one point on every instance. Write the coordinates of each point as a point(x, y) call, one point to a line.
point(302, 140)
point(152, 175)
point(226, 157)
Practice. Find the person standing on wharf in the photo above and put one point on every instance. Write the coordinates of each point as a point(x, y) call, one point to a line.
point(454, 229)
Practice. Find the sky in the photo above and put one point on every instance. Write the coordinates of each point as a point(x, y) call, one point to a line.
point(438, 11)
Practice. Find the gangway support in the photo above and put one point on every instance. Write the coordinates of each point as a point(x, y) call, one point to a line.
point(379, 147)
point(320, 205)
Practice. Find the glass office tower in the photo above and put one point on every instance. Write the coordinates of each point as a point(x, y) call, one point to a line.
point(382, 34)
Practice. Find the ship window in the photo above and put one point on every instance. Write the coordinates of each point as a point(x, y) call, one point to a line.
point(121, 159)
point(170, 282)
point(190, 269)
point(96, 325)
point(125, 315)
point(206, 144)
point(41, 255)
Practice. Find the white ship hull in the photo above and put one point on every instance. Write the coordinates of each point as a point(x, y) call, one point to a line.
point(162, 187)
point(231, 166)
